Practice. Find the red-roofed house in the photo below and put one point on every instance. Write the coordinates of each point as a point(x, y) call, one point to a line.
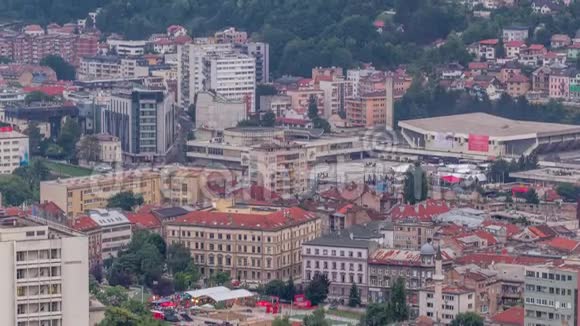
point(510, 229)
point(486, 48)
point(92, 230)
point(176, 30)
point(50, 211)
point(242, 239)
point(514, 316)
point(145, 221)
point(518, 85)
point(513, 48)
point(564, 245)
point(423, 211)
point(486, 259)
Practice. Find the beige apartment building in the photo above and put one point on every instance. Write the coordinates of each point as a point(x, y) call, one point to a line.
point(176, 185)
point(279, 166)
point(254, 244)
point(44, 275)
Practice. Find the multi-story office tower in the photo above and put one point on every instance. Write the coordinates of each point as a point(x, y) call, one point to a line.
point(261, 52)
point(231, 75)
point(14, 150)
point(44, 275)
point(144, 121)
point(551, 296)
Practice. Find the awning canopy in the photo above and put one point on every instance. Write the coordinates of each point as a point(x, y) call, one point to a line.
point(220, 293)
point(451, 179)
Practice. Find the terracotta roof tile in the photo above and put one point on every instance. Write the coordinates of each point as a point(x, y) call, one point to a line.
point(514, 316)
point(274, 221)
point(563, 244)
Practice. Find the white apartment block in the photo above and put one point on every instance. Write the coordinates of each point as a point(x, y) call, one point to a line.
point(343, 260)
point(127, 47)
point(215, 112)
point(231, 75)
point(111, 67)
point(115, 231)
point(455, 300)
point(14, 150)
point(190, 69)
point(44, 276)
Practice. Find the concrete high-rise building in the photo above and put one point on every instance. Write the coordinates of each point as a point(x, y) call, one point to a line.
point(551, 296)
point(44, 275)
point(231, 75)
point(144, 121)
point(190, 76)
point(261, 52)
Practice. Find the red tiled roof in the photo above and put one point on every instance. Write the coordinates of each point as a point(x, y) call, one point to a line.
point(423, 211)
point(84, 223)
point(536, 47)
point(182, 39)
point(274, 221)
point(542, 231)
point(492, 258)
point(563, 244)
point(491, 240)
point(255, 192)
point(450, 229)
point(491, 41)
point(515, 44)
point(379, 24)
point(48, 90)
point(51, 208)
point(477, 65)
point(402, 257)
point(513, 316)
point(511, 229)
point(518, 79)
point(144, 220)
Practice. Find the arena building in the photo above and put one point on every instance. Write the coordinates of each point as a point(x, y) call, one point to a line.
point(487, 135)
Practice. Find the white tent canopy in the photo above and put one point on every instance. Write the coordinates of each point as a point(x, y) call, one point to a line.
point(220, 293)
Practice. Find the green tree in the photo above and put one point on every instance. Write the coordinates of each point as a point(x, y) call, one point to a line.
point(290, 290)
point(220, 278)
point(409, 188)
point(312, 107)
point(568, 191)
point(191, 112)
point(89, 23)
point(317, 289)
point(89, 149)
point(322, 124)
point(34, 138)
point(316, 318)
point(500, 49)
point(377, 314)
point(398, 304)
point(467, 319)
point(125, 200)
point(354, 296)
point(281, 321)
point(63, 69)
point(113, 295)
point(275, 288)
point(15, 191)
point(37, 96)
point(268, 119)
point(70, 134)
point(178, 258)
point(531, 196)
point(151, 266)
point(34, 173)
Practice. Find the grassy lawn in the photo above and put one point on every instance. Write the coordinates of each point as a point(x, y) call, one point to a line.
point(66, 170)
point(345, 314)
point(328, 318)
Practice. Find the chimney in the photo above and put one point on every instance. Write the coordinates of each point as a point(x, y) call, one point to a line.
point(389, 105)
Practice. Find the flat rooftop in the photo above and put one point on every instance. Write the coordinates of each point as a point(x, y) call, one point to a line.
point(487, 124)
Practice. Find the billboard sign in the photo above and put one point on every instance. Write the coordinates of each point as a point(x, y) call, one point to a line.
point(443, 141)
point(478, 143)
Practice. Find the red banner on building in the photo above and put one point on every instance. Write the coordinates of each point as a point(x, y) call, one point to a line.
point(478, 143)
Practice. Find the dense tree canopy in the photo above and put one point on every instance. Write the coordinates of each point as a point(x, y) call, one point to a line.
point(125, 200)
point(63, 69)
